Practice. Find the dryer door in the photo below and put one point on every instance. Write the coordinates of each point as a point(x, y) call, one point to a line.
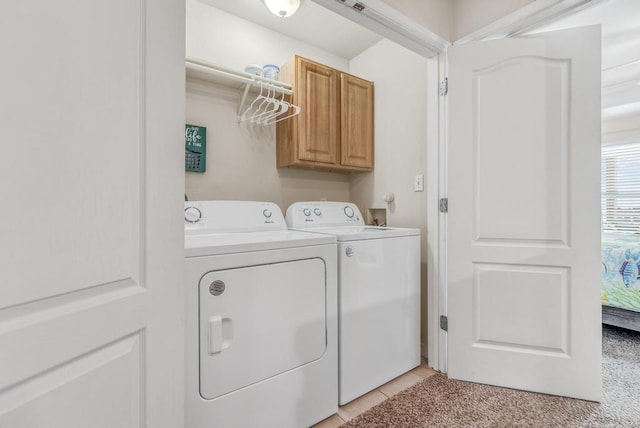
point(259, 321)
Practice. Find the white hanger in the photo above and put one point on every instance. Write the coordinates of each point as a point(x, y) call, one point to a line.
point(266, 109)
point(263, 108)
point(244, 115)
point(281, 107)
point(295, 113)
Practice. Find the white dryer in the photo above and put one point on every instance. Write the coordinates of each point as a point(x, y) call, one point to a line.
point(378, 294)
point(260, 319)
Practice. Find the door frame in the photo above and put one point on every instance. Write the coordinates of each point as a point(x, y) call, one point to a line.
point(533, 15)
point(436, 221)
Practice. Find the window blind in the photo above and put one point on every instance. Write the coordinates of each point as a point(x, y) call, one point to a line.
point(621, 188)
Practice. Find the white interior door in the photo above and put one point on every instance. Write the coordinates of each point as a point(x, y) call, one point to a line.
point(523, 180)
point(91, 119)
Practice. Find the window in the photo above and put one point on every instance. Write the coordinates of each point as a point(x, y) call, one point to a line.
point(621, 188)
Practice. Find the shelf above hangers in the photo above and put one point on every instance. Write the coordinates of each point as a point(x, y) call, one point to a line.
point(203, 70)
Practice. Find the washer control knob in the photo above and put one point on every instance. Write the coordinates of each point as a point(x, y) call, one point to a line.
point(348, 211)
point(192, 215)
point(267, 213)
point(317, 211)
point(306, 212)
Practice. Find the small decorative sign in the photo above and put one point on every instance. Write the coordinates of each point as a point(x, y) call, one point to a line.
point(195, 148)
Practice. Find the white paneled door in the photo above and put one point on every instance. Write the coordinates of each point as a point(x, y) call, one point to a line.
point(523, 256)
point(91, 181)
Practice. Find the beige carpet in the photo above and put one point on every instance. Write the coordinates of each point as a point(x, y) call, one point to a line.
point(440, 402)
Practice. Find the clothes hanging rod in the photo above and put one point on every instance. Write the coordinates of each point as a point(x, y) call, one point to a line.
point(215, 70)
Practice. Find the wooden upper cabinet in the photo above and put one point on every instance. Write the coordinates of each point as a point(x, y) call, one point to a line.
point(319, 132)
point(334, 130)
point(356, 122)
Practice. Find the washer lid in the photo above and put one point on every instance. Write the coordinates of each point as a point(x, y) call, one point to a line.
point(357, 233)
point(228, 243)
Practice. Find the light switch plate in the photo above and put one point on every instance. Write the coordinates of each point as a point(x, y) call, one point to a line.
point(418, 183)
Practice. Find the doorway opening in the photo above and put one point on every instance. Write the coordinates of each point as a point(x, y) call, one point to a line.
point(620, 163)
point(621, 122)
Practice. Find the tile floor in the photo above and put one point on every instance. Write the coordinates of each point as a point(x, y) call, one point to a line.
point(377, 396)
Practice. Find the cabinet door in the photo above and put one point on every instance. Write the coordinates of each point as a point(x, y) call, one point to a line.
point(357, 122)
point(319, 121)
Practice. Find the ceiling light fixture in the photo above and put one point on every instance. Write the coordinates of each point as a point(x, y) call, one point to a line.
point(282, 8)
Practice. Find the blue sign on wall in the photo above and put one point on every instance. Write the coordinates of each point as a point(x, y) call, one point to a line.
point(195, 148)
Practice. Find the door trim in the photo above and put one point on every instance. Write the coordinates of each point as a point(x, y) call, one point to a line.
point(436, 221)
point(533, 15)
point(389, 22)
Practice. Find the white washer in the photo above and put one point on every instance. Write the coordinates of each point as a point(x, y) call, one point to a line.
point(378, 294)
point(260, 319)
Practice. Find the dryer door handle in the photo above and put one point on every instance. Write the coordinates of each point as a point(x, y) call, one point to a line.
point(220, 332)
point(215, 334)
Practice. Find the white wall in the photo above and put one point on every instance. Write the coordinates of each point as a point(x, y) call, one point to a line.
point(241, 157)
point(436, 15)
point(400, 131)
point(471, 15)
point(453, 19)
point(400, 78)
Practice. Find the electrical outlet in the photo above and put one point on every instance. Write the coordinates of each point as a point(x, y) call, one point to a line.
point(418, 183)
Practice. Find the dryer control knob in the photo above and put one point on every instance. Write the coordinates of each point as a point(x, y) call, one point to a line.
point(192, 215)
point(317, 211)
point(306, 212)
point(348, 211)
point(267, 213)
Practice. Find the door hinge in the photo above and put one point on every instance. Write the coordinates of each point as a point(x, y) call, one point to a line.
point(444, 205)
point(444, 323)
point(444, 87)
